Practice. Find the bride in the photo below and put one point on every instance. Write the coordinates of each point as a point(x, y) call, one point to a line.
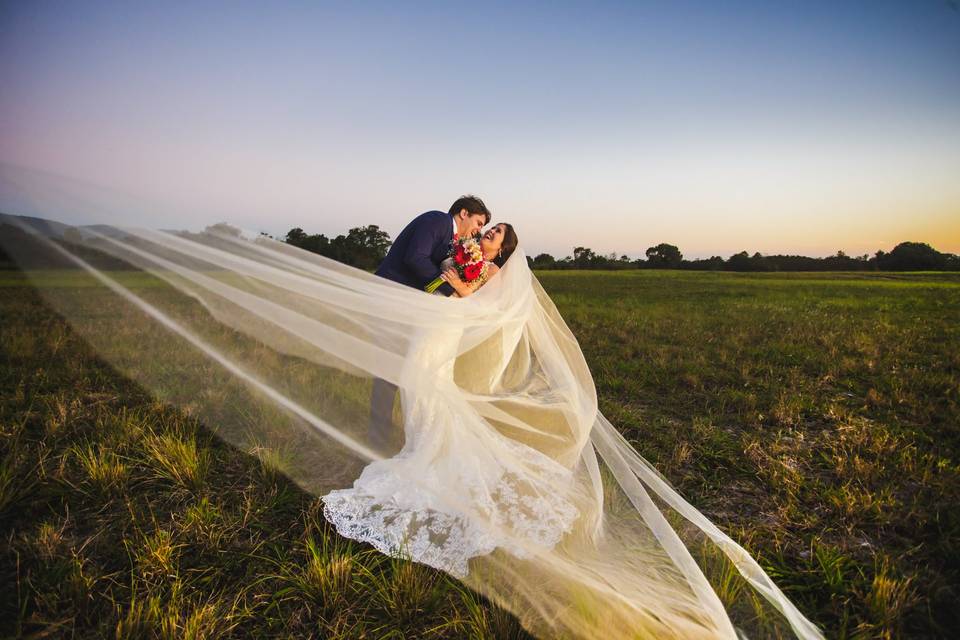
point(503, 481)
point(509, 478)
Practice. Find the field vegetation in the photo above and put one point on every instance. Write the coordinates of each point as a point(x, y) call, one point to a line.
point(814, 417)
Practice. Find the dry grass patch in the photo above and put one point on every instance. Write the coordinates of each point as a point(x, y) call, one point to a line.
point(177, 458)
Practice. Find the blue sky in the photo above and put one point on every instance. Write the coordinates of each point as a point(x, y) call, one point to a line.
point(796, 127)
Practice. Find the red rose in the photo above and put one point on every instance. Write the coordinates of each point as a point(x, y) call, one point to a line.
point(472, 271)
point(461, 255)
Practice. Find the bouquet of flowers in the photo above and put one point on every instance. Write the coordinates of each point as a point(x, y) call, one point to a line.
point(467, 260)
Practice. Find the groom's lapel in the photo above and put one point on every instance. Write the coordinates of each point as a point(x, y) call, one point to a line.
point(441, 247)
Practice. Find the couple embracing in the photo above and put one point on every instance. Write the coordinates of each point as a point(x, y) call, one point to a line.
point(426, 253)
point(424, 249)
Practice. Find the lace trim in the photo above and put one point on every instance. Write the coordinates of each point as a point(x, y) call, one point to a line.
point(440, 540)
point(525, 502)
point(403, 523)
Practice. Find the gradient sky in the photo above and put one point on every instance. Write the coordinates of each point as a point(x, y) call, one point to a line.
point(781, 127)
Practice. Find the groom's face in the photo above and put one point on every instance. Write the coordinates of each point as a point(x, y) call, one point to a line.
point(469, 225)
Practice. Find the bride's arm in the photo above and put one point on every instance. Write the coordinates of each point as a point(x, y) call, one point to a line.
point(460, 288)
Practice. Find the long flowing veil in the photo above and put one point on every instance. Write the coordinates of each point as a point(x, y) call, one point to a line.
point(276, 350)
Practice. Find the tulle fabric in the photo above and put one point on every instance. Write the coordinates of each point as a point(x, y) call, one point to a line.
point(275, 349)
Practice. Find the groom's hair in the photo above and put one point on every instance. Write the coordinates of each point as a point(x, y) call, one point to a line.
point(473, 204)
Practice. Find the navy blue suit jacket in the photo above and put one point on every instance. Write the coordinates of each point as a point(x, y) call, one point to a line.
point(414, 257)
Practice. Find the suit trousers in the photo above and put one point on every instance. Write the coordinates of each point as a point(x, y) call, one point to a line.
point(380, 431)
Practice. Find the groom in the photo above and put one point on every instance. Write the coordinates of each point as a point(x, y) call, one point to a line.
point(414, 260)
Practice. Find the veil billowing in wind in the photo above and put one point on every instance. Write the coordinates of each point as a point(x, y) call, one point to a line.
point(275, 350)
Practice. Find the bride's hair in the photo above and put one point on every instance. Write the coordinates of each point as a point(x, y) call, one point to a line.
point(509, 243)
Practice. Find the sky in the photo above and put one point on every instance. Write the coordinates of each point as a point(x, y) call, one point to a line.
point(799, 127)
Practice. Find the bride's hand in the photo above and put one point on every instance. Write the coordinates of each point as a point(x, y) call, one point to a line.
point(451, 276)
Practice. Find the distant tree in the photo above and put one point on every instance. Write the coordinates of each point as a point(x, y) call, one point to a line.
point(296, 236)
point(317, 243)
point(743, 261)
point(712, 263)
point(543, 261)
point(584, 258)
point(794, 263)
point(839, 262)
point(362, 247)
point(664, 256)
point(761, 264)
point(911, 255)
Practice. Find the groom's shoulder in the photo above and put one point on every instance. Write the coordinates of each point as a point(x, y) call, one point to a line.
point(431, 217)
point(434, 214)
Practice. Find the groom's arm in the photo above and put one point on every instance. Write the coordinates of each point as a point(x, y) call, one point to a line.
point(417, 259)
point(445, 288)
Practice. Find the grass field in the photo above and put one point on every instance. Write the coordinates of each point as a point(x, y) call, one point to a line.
point(814, 417)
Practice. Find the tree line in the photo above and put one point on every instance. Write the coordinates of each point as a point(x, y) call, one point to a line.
point(904, 256)
point(365, 247)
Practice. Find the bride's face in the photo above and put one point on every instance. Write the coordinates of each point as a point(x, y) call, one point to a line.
point(491, 240)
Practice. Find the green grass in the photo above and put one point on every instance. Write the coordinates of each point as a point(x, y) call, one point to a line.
point(814, 417)
point(819, 414)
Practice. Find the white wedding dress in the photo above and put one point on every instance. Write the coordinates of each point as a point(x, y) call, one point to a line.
point(397, 517)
